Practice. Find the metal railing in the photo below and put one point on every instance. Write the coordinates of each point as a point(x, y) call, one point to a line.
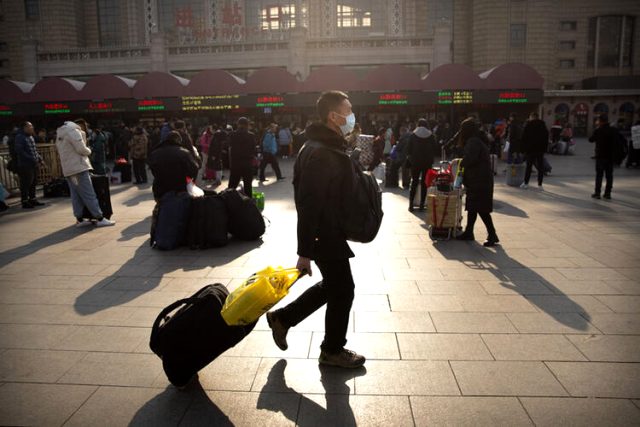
point(51, 169)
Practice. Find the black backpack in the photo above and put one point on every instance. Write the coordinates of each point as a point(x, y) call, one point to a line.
point(362, 214)
point(208, 221)
point(620, 148)
point(245, 220)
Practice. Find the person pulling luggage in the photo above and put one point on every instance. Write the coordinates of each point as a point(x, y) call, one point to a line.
point(319, 194)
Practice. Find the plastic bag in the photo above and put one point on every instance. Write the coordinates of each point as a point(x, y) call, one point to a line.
point(193, 189)
point(258, 294)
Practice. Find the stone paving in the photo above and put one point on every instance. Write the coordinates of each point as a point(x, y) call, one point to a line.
point(544, 329)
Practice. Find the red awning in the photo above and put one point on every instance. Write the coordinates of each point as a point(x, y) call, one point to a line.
point(512, 76)
point(391, 77)
point(108, 86)
point(12, 92)
point(271, 80)
point(214, 82)
point(452, 76)
point(159, 85)
point(331, 77)
point(56, 89)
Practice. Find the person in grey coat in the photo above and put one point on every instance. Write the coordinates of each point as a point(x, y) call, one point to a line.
point(477, 180)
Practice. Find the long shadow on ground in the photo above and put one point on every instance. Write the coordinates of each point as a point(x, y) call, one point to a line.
point(519, 278)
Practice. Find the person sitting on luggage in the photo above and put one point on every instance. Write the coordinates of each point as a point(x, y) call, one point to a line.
point(170, 165)
point(477, 180)
point(71, 143)
point(420, 153)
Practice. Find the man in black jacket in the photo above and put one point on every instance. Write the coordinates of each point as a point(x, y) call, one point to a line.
point(28, 159)
point(535, 140)
point(171, 164)
point(320, 175)
point(514, 136)
point(242, 151)
point(420, 153)
point(604, 137)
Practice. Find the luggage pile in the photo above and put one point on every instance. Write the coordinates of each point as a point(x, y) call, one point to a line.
point(444, 202)
point(192, 332)
point(204, 222)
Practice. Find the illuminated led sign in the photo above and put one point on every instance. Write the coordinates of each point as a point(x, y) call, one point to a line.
point(270, 101)
point(393, 99)
point(100, 106)
point(210, 102)
point(151, 105)
point(455, 97)
point(512, 98)
point(5, 110)
point(56, 108)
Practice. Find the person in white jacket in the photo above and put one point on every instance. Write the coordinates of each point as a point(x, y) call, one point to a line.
point(71, 142)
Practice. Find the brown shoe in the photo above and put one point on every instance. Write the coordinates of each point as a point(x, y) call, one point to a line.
point(278, 330)
point(343, 359)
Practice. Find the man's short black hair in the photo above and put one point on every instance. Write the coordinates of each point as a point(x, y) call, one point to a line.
point(604, 118)
point(25, 124)
point(328, 102)
point(534, 115)
point(81, 122)
point(179, 124)
point(423, 123)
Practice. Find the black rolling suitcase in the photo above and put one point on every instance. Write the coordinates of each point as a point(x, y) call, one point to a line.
point(195, 334)
point(208, 220)
point(125, 171)
point(101, 188)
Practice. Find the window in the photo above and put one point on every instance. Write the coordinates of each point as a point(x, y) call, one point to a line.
point(611, 39)
point(567, 63)
point(518, 35)
point(565, 86)
point(349, 17)
point(568, 25)
point(278, 17)
point(109, 22)
point(567, 45)
point(32, 9)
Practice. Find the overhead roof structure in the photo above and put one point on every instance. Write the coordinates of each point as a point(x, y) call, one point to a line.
point(157, 84)
point(214, 82)
point(108, 86)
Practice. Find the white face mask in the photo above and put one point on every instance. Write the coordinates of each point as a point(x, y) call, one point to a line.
point(348, 126)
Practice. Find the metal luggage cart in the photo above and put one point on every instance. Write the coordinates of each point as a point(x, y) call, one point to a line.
point(444, 213)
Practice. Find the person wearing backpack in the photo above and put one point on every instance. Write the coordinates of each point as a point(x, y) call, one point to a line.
point(320, 173)
point(605, 138)
point(27, 161)
point(269, 151)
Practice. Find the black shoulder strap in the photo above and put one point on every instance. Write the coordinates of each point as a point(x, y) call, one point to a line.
point(318, 144)
point(171, 307)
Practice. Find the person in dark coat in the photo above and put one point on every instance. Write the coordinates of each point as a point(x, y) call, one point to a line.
point(187, 141)
point(477, 180)
point(514, 136)
point(219, 139)
point(605, 138)
point(242, 152)
point(420, 153)
point(378, 149)
point(319, 181)
point(170, 165)
point(27, 161)
point(535, 140)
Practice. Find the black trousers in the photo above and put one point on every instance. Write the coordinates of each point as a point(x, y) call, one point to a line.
point(604, 167)
point(27, 176)
point(336, 290)
point(486, 218)
point(270, 159)
point(246, 175)
point(537, 160)
point(418, 176)
point(140, 170)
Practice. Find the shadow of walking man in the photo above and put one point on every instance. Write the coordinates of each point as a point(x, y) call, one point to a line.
point(338, 412)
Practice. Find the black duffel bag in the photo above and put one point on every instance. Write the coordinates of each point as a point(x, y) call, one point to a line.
point(207, 223)
point(245, 220)
point(195, 334)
